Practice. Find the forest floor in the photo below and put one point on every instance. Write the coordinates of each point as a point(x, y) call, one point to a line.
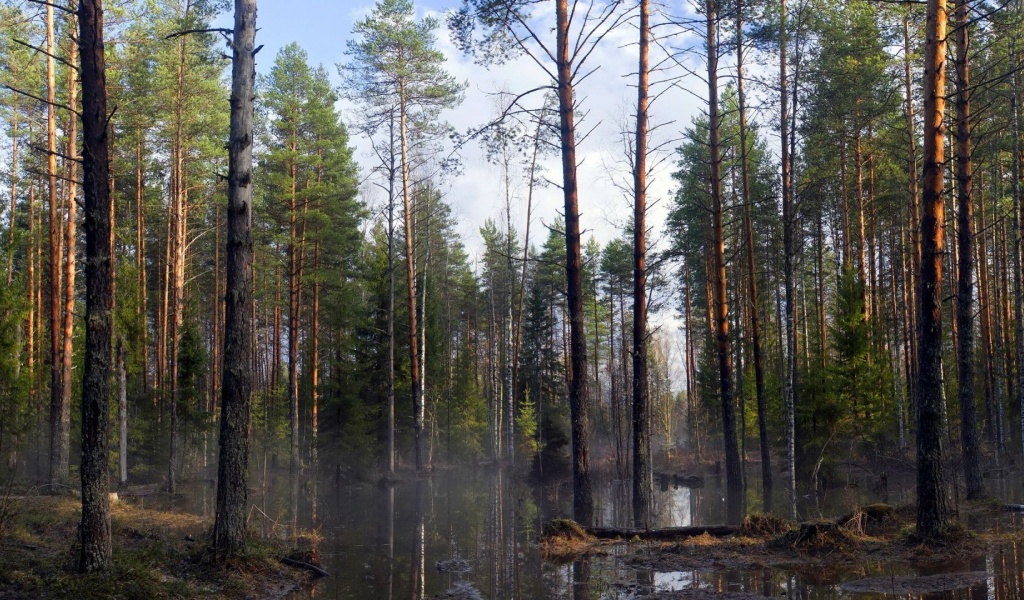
point(816, 550)
point(157, 555)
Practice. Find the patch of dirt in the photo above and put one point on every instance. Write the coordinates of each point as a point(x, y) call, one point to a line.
point(900, 586)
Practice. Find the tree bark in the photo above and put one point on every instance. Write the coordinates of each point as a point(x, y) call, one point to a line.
point(410, 274)
point(122, 416)
point(579, 394)
point(753, 301)
point(99, 294)
point(720, 316)
point(232, 490)
point(915, 216)
point(643, 482)
point(932, 512)
point(14, 192)
point(965, 264)
point(1015, 251)
point(60, 412)
point(789, 250)
point(70, 249)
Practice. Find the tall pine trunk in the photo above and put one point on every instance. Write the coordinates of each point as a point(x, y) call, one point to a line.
point(932, 513)
point(720, 311)
point(60, 412)
point(965, 264)
point(579, 394)
point(642, 476)
point(410, 275)
point(753, 301)
point(232, 472)
point(99, 293)
point(789, 250)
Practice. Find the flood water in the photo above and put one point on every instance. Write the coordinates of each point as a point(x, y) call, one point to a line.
point(471, 533)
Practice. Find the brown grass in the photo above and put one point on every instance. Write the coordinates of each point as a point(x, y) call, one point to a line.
point(157, 555)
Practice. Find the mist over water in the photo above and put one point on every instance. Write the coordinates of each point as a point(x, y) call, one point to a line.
point(471, 533)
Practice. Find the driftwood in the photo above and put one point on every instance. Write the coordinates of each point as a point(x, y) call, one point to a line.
point(669, 533)
point(298, 564)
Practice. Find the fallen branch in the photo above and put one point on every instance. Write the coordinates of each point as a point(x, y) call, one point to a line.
point(669, 533)
point(298, 564)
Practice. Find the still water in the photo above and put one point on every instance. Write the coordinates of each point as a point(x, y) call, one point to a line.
point(471, 533)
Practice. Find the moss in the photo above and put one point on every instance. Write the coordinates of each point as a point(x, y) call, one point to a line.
point(156, 555)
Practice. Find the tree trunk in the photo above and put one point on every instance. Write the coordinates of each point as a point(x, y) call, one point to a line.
point(733, 470)
point(177, 242)
point(390, 458)
point(60, 412)
point(232, 490)
point(643, 482)
point(122, 416)
point(932, 513)
point(579, 395)
point(99, 297)
point(295, 250)
point(1015, 250)
point(410, 274)
point(984, 299)
point(314, 366)
point(71, 244)
point(915, 217)
point(965, 264)
point(753, 301)
point(789, 250)
point(140, 260)
point(14, 192)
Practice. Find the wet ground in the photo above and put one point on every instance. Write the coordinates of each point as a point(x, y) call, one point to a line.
point(471, 533)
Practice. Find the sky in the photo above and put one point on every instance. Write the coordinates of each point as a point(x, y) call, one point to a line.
point(608, 98)
point(322, 28)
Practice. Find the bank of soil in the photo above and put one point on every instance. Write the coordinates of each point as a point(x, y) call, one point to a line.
point(827, 550)
point(157, 555)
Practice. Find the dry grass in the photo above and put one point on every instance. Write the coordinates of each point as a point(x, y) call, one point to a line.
point(156, 555)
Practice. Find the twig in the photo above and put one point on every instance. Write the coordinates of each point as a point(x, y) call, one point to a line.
point(204, 30)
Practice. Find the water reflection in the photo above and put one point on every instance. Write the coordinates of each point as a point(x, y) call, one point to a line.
point(471, 534)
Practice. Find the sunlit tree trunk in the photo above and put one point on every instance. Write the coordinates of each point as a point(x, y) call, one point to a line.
point(70, 241)
point(60, 412)
point(932, 513)
point(720, 311)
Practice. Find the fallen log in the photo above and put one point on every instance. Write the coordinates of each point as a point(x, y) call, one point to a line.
point(666, 534)
point(291, 562)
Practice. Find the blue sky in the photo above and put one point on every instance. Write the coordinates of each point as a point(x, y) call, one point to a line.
point(322, 27)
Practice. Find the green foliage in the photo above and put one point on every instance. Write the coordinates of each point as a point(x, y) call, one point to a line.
point(526, 428)
point(393, 67)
